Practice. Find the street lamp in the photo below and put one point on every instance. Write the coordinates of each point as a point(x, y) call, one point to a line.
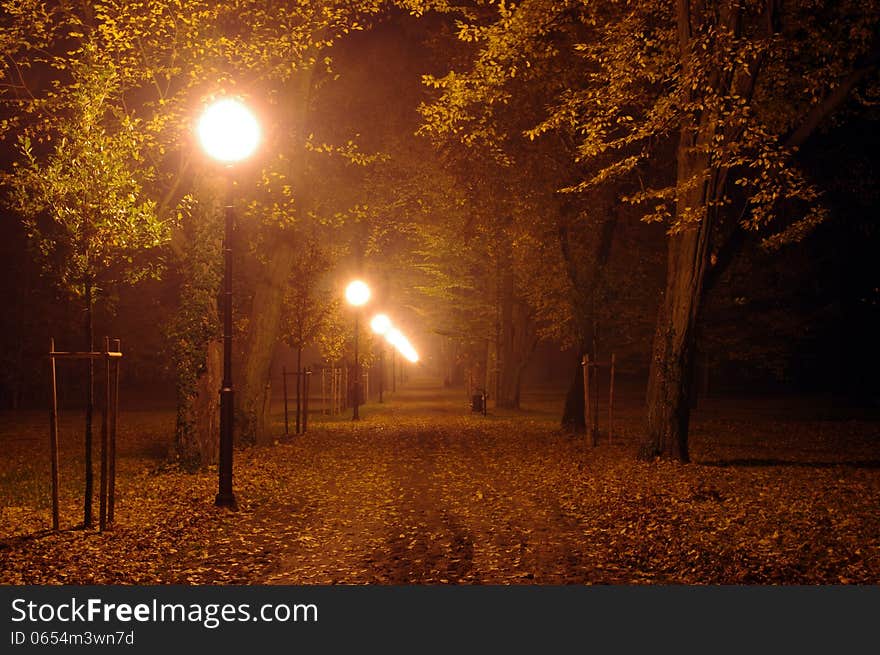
point(401, 343)
point(228, 133)
point(357, 293)
point(381, 324)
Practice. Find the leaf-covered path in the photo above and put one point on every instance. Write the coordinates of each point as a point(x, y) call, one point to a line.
point(422, 491)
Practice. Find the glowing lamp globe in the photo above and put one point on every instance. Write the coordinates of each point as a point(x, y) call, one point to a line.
point(228, 131)
point(380, 324)
point(357, 293)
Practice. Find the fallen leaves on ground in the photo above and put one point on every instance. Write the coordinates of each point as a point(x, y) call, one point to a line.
point(422, 491)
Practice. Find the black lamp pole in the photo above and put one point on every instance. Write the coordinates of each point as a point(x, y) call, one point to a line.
point(225, 497)
point(381, 370)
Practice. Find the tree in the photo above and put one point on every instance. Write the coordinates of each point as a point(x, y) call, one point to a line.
point(732, 89)
point(81, 198)
point(490, 103)
point(733, 130)
point(194, 345)
point(310, 305)
point(106, 79)
point(308, 180)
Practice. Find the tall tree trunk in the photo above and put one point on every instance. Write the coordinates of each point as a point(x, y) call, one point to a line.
point(264, 326)
point(670, 378)
point(573, 418)
point(198, 412)
point(699, 185)
point(263, 335)
point(517, 339)
point(195, 334)
point(671, 370)
point(90, 404)
point(299, 385)
point(504, 335)
point(586, 283)
point(494, 374)
point(489, 370)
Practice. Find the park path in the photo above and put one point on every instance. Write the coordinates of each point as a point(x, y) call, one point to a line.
point(421, 491)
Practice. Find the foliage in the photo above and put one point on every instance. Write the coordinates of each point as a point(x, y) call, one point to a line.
point(82, 197)
point(311, 306)
point(634, 91)
point(546, 115)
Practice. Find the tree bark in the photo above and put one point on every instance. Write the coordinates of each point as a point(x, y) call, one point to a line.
point(198, 412)
point(195, 334)
point(263, 335)
point(670, 376)
point(299, 386)
point(671, 373)
point(518, 344)
point(264, 327)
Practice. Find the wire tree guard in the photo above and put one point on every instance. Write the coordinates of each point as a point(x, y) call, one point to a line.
point(302, 378)
point(591, 404)
point(109, 414)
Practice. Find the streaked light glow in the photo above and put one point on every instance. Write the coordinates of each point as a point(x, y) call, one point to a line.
point(380, 324)
point(404, 347)
point(228, 130)
point(393, 336)
point(410, 353)
point(357, 293)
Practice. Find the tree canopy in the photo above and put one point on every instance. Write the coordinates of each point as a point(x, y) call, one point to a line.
point(495, 175)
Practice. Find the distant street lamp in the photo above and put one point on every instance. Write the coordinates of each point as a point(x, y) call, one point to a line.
point(357, 293)
point(401, 343)
point(228, 132)
point(381, 324)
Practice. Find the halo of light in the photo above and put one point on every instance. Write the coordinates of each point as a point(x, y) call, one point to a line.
point(357, 293)
point(380, 324)
point(228, 131)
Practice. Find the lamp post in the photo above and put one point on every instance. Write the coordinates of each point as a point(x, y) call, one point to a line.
point(357, 293)
point(229, 133)
point(381, 324)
